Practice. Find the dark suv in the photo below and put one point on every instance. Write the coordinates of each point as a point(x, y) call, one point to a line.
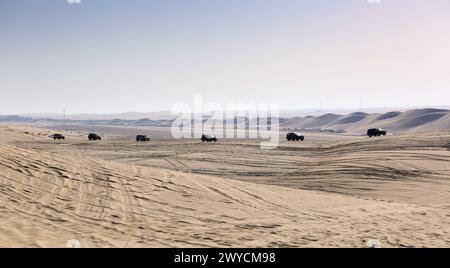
point(142, 138)
point(58, 137)
point(94, 137)
point(376, 132)
point(295, 137)
point(209, 138)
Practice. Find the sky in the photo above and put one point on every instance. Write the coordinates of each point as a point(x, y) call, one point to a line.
point(112, 56)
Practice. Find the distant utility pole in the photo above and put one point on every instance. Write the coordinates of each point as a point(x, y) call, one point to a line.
point(360, 103)
point(64, 117)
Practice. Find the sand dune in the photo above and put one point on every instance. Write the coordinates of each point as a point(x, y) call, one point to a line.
point(48, 196)
point(388, 115)
point(409, 121)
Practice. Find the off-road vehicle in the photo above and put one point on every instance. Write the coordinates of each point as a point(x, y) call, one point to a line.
point(94, 137)
point(209, 138)
point(295, 137)
point(142, 138)
point(58, 137)
point(376, 132)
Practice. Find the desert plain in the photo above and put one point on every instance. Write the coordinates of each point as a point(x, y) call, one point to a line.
point(331, 190)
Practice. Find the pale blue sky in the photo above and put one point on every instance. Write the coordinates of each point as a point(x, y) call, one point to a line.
point(109, 56)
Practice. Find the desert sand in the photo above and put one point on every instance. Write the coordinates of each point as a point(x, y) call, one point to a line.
point(330, 191)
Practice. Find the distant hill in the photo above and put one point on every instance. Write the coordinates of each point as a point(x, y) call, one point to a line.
point(89, 122)
point(161, 115)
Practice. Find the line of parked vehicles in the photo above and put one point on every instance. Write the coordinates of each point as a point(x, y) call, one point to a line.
point(95, 137)
point(139, 138)
point(291, 136)
point(373, 132)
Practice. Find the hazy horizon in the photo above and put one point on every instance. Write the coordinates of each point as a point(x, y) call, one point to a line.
point(166, 114)
point(107, 57)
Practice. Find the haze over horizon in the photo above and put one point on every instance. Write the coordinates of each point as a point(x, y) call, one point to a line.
point(105, 57)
